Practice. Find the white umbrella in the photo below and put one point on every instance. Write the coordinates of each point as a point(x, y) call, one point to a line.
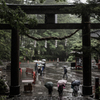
point(39, 61)
point(43, 59)
point(60, 82)
point(65, 66)
point(35, 61)
point(40, 65)
point(42, 62)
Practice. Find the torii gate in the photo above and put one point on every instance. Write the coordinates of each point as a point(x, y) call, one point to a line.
point(50, 11)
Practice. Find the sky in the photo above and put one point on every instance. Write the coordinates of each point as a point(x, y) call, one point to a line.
point(80, 0)
point(83, 1)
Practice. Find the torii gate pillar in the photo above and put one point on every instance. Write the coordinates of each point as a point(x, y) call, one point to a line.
point(87, 88)
point(15, 87)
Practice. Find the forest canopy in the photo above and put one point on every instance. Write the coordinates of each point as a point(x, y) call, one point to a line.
point(17, 18)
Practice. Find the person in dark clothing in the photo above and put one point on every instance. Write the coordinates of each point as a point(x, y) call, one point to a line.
point(75, 86)
point(36, 68)
point(39, 69)
point(49, 86)
point(50, 89)
point(60, 91)
point(65, 73)
point(44, 66)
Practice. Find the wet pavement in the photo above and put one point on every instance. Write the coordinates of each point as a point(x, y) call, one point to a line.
point(52, 72)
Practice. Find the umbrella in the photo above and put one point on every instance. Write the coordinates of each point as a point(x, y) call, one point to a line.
point(48, 84)
point(61, 82)
point(35, 61)
point(76, 82)
point(39, 61)
point(43, 59)
point(65, 66)
point(40, 65)
point(42, 62)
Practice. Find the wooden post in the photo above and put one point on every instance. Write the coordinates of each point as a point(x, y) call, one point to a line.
point(87, 88)
point(50, 18)
point(14, 88)
point(96, 88)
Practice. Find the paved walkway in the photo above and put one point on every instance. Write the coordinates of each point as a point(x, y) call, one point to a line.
point(52, 73)
point(49, 98)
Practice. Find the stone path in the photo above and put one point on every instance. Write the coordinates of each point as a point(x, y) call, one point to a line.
point(23, 97)
point(52, 73)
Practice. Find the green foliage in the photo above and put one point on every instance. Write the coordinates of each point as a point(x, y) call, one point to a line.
point(41, 1)
point(71, 59)
point(16, 18)
point(80, 9)
point(1, 63)
point(21, 58)
point(25, 52)
point(95, 48)
point(2, 86)
point(5, 45)
point(3, 97)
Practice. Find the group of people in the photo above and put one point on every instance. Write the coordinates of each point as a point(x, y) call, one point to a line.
point(74, 85)
point(39, 69)
point(49, 86)
point(60, 86)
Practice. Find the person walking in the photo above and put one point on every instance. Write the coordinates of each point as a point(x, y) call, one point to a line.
point(75, 86)
point(49, 86)
point(34, 77)
point(65, 73)
point(60, 91)
point(36, 68)
point(50, 89)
